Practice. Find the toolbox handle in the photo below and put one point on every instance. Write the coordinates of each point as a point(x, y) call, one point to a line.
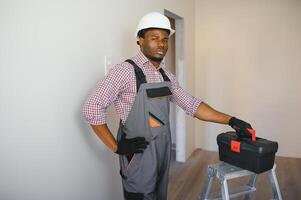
point(253, 133)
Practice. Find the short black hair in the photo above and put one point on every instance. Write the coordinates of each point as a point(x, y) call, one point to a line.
point(142, 32)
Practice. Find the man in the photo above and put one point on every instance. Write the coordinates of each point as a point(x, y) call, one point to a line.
point(141, 89)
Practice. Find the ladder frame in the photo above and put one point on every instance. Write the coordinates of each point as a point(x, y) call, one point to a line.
point(224, 172)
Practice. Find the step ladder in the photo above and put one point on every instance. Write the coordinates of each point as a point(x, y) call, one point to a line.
point(224, 172)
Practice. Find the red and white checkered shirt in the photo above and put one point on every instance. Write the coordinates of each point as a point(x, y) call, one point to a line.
point(119, 87)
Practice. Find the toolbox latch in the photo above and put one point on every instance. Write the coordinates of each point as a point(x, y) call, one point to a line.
point(253, 133)
point(235, 146)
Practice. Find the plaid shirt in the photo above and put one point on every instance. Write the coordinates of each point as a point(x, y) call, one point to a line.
point(119, 87)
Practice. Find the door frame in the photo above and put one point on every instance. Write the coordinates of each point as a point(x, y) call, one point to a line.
point(180, 114)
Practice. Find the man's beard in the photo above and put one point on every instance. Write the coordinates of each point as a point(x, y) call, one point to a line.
point(157, 59)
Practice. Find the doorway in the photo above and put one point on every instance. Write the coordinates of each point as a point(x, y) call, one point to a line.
point(174, 60)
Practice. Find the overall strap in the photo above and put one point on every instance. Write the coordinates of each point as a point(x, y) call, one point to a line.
point(165, 77)
point(140, 77)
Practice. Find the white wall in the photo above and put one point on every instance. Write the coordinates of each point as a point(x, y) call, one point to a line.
point(248, 64)
point(51, 56)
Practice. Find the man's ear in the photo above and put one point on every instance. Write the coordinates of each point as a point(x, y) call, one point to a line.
point(140, 41)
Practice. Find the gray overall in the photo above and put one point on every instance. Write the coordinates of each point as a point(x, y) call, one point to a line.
point(147, 172)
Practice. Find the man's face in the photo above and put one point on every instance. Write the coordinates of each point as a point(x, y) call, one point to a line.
point(154, 45)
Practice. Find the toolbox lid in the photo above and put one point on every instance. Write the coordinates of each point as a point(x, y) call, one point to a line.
point(260, 147)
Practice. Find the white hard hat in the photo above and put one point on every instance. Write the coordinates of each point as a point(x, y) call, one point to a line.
point(154, 20)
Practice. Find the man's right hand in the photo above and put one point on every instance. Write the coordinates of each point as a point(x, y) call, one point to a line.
point(131, 146)
point(241, 127)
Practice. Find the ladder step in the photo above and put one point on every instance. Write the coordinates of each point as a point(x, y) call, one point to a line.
point(235, 192)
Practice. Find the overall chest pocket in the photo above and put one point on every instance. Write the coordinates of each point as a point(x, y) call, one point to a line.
point(158, 107)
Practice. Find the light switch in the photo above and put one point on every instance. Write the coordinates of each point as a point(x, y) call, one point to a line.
point(107, 63)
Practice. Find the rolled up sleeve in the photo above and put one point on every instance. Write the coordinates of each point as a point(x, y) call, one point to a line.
point(104, 94)
point(181, 98)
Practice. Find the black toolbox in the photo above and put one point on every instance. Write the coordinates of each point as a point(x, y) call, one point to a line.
point(256, 155)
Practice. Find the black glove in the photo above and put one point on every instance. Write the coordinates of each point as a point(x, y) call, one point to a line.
point(241, 127)
point(131, 146)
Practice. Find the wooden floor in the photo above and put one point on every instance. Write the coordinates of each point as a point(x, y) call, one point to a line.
point(187, 179)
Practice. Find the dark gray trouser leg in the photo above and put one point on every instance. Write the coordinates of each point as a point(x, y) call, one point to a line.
point(162, 185)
